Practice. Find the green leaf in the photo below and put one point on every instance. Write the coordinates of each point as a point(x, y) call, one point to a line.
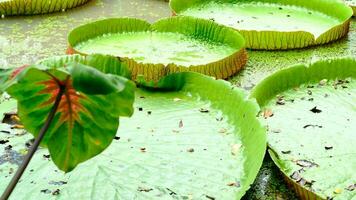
point(22, 7)
point(152, 51)
point(87, 117)
point(312, 130)
point(274, 24)
point(200, 139)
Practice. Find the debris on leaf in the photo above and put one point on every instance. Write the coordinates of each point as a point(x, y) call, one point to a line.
point(235, 149)
point(176, 99)
point(143, 149)
point(328, 147)
point(311, 125)
point(276, 130)
point(323, 82)
point(286, 152)
point(337, 191)
point(222, 130)
point(351, 187)
point(306, 163)
point(57, 182)
point(234, 184)
point(210, 197)
point(296, 176)
point(305, 183)
point(46, 191)
point(315, 110)
point(144, 189)
point(11, 118)
point(181, 124)
point(4, 141)
point(46, 156)
point(280, 100)
point(203, 110)
point(267, 113)
point(171, 192)
point(190, 150)
point(56, 192)
point(17, 126)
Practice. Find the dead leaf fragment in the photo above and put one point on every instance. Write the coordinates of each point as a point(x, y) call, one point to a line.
point(296, 176)
point(190, 150)
point(181, 124)
point(234, 184)
point(351, 187)
point(203, 110)
point(323, 82)
point(235, 149)
point(144, 189)
point(315, 110)
point(337, 191)
point(306, 163)
point(222, 130)
point(267, 113)
point(177, 99)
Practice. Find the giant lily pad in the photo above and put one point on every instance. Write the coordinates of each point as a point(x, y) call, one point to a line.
point(310, 113)
point(167, 46)
point(32, 7)
point(274, 24)
point(183, 142)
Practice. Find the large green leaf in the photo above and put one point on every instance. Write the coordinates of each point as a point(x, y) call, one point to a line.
point(197, 139)
point(166, 46)
point(274, 24)
point(87, 117)
point(310, 113)
point(33, 7)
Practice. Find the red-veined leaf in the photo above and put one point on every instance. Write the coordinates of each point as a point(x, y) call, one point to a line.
point(87, 117)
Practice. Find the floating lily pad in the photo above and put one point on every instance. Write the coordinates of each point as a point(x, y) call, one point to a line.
point(33, 7)
point(167, 46)
point(310, 114)
point(274, 24)
point(183, 142)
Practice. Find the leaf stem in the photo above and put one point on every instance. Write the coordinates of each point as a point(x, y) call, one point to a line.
point(15, 179)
